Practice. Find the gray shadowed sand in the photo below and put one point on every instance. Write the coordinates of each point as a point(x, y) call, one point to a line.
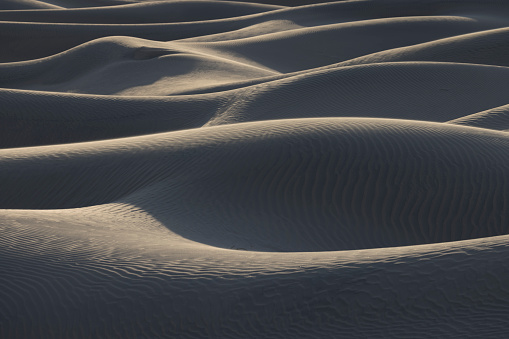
point(220, 169)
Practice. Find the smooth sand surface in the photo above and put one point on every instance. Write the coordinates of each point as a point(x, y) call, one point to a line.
point(220, 169)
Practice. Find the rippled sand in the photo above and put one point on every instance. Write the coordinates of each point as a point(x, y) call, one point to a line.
point(219, 169)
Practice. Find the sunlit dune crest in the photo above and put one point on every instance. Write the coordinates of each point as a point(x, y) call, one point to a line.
point(222, 169)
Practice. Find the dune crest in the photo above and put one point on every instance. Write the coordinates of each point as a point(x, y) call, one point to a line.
point(232, 169)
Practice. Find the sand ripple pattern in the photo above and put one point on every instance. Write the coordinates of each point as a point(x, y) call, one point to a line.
point(222, 169)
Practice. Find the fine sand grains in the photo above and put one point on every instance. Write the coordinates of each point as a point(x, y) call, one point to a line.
point(221, 169)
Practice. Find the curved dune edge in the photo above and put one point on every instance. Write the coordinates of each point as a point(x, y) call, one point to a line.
point(290, 185)
point(430, 91)
point(231, 169)
point(164, 287)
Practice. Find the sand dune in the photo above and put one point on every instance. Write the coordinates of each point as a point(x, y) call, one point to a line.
point(221, 169)
point(495, 118)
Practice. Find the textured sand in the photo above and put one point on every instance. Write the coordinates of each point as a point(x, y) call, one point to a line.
point(219, 169)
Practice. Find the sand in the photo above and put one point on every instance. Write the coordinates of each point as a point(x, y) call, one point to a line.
point(220, 169)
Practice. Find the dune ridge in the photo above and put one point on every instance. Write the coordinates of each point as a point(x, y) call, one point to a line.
point(226, 169)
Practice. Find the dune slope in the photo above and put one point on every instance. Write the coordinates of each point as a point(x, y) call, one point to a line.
point(231, 169)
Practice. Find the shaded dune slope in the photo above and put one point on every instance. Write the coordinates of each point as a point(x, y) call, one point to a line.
point(425, 91)
point(143, 12)
point(61, 36)
point(495, 118)
point(292, 185)
point(486, 47)
point(141, 284)
point(221, 169)
point(25, 5)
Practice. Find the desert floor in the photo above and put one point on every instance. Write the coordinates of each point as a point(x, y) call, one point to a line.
point(286, 169)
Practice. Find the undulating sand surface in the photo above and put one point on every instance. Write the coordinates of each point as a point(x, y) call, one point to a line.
point(220, 169)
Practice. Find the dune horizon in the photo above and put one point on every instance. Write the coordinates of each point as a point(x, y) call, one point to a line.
point(241, 169)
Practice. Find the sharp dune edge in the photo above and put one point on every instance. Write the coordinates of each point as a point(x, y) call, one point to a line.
point(220, 169)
